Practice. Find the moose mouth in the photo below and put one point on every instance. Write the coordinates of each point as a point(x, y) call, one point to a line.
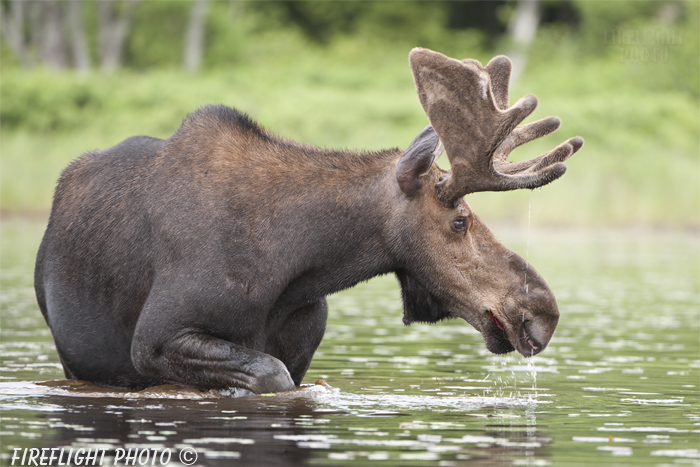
point(497, 341)
point(494, 320)
point(495, 335)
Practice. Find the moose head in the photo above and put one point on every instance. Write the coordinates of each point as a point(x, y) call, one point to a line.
point(461, 270)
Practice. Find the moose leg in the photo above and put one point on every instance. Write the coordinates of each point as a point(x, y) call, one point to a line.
point(299, 338)
point(183, 342)
point(207, 362)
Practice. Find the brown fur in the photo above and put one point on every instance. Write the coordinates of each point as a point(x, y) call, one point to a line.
point(204, 260)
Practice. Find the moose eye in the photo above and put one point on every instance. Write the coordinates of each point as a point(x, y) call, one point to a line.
point(459, 224)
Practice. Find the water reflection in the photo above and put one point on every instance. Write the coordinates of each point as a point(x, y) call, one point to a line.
point(287, 429)
point(220, 429)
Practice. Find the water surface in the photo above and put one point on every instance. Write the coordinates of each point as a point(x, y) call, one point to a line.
point(618, 385)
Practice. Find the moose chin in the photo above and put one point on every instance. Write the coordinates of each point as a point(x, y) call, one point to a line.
point(204, 259)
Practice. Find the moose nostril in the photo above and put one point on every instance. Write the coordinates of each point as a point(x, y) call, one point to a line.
point(529, 343)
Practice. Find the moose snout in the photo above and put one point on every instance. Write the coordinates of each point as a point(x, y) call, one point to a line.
point(522, 316)
point(532, 338)
point(538, 320)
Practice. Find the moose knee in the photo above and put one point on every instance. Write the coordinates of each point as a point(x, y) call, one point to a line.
point(271, 375)
point(144, 356)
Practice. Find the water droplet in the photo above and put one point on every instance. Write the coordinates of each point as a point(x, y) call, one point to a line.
point(527, 248)
point(532, 371)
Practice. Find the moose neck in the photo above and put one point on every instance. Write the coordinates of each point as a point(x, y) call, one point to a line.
point(343, 238)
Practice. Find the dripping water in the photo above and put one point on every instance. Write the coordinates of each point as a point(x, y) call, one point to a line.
point(529, 221)
point(527, 247)
point(531, 370)
point(500, 382)
point(503, 377)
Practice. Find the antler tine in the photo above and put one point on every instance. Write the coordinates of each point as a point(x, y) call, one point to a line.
point(499, 68)
point(467, 104)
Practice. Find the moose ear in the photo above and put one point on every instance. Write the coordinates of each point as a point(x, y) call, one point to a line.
point(417, 159)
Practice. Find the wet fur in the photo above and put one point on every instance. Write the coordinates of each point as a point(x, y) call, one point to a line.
point(204, 260)
point(224, 204)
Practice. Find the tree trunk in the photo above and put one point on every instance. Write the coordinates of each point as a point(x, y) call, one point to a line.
point(113, 31)
point(52, 43)
point(12, 15)
point(523, 29)
point(81, 54)
point(194, 40)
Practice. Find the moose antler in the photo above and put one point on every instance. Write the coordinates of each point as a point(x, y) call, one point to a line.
point(467, 105)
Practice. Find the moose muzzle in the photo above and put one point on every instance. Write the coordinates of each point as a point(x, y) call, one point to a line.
point(525, 318)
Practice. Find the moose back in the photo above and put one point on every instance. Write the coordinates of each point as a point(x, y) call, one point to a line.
point(204, 260)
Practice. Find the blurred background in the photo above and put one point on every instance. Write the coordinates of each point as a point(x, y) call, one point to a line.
point(82, 75)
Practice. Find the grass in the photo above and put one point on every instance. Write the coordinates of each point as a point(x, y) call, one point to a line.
point(640, 164)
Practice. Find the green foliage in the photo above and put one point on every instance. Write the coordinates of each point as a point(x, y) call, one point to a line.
point(157, 36)
point(353, 89)
point(45, 101)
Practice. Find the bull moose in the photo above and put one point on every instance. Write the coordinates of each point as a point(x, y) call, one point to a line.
point(204, 260)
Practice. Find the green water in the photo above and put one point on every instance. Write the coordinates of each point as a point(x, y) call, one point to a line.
point(618, 385)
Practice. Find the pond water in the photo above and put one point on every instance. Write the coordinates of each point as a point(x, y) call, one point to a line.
point(618, 385)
